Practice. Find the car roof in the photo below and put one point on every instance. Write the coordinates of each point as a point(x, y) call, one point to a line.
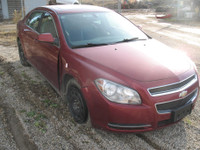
point(61, 9)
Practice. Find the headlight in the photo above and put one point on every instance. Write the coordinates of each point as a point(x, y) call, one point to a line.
point(194, 65)
point(117, 93)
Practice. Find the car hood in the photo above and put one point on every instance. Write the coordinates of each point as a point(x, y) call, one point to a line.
point(146, 60)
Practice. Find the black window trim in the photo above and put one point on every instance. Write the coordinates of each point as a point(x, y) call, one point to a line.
point(40, 11)
point(53, 24)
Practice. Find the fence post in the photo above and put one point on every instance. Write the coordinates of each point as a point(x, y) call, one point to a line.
point(22, 5)
point(119, 6)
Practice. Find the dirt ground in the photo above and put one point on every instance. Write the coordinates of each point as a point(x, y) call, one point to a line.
point(33, 116)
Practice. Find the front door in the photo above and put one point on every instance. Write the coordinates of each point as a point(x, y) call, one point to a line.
point(48, 52)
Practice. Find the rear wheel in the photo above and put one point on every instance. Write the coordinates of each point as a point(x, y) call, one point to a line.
point(22, 57)
point(76, 102)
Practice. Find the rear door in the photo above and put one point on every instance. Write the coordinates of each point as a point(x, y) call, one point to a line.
point(29, 36)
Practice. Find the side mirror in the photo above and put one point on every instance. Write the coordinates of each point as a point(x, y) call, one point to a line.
point(46, 37)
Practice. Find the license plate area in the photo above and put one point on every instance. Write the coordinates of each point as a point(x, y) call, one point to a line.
point(181, 112)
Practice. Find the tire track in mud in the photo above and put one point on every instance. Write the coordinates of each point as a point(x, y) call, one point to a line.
point(7, 141)
point(27, 91)
point(37, 90)
point(14, 126)
point(31, 92)
point(153, 144)
point(22, 140)
point(1, 59)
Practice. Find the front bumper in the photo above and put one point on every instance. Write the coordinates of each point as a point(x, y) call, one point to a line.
point(132, 118)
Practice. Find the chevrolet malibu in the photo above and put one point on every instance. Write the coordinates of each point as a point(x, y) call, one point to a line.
point(110, 73)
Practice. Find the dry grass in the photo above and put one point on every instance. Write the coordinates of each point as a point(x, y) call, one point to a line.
point(8, 38)
point(7, 34)
point(17, 15)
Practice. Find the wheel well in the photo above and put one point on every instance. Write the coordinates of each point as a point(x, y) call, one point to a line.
point(18, 40)
point(66, 78)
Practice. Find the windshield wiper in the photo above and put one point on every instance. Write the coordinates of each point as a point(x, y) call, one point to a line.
point(128, 40)
point(89, 45)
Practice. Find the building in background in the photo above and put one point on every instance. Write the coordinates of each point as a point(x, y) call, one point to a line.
point(181, 9)
point(31, 4)
point(7, 7)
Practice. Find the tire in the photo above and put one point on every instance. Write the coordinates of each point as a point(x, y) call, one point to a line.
point(76, 102)
point(22, 57)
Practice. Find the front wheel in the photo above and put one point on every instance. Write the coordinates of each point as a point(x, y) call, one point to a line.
point(76, 102)
point(22, 57)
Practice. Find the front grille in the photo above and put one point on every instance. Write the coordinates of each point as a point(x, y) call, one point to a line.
point(167, 107)
point(173, 88)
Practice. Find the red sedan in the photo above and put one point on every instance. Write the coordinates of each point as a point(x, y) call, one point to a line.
point(108, 71)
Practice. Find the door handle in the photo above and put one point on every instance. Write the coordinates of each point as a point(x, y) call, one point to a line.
point(27, 30)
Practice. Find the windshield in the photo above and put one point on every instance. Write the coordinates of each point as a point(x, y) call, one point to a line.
point(98, 28)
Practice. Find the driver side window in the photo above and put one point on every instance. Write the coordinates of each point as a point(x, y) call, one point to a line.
point(47, 25)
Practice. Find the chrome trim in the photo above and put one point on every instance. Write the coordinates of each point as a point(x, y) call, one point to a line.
point(169, 111)
point(124, 126)
point(175, 90)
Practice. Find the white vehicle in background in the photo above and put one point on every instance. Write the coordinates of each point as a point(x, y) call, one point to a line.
point(67, 2)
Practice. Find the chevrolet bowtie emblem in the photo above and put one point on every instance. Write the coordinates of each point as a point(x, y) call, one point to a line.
point(183, 94)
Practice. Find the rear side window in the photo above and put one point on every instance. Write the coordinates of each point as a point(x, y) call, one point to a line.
point(33, 20)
